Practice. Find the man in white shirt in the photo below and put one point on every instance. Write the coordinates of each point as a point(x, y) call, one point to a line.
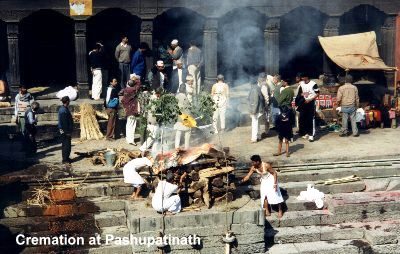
point(305, 102)
point(166, 196)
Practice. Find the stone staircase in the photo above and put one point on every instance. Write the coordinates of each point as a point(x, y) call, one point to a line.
point(358, 217)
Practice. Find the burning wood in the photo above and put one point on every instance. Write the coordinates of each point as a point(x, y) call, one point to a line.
point(202, 172)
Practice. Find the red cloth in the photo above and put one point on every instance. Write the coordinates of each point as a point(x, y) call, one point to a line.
point(130, 100)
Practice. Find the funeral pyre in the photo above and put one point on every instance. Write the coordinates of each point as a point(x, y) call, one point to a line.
point(204, 173)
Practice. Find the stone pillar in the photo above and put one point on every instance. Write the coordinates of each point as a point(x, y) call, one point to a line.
point(271, 36)
point(210, 48)
point(81, 59)
point(146, 35)
point(388, 48)
point(331, 29)
point(397, 47)
point(13, 57)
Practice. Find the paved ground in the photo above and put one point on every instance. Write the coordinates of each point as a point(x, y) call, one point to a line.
point(374, 143)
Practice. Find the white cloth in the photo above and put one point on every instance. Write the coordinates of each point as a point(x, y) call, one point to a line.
point(130, 173)
point(163, 200)
point(152, 135)
point(130, 129)
point(267, 190)
point(189, 92)
point(255, 126)
point(97, 84)
point(312, 195)
point(180, 80)
point(360, 115)
point(195, 72)
point(69, 91)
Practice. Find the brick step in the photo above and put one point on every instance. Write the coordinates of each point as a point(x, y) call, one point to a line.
point(294, 188)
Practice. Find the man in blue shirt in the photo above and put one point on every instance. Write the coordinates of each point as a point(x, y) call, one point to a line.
point(65, 126)
point(138, 65)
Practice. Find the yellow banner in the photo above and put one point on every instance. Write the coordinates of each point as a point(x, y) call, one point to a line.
point(80, 7)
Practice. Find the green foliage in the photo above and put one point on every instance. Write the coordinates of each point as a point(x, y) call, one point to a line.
point(165, 109)
point(204, 109)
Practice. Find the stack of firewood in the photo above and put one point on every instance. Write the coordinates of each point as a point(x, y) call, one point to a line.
point(90, 128)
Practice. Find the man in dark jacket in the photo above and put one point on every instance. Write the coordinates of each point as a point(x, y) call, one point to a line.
point(65, 126)
point(138, 65)
point(30, 129)
point(178, 78)
point(157, 76)
point(130, 102)
point(256, 109)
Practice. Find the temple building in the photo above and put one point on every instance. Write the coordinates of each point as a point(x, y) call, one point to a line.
point(42, 45)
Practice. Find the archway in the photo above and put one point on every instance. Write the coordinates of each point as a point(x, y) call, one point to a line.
point(300, 50)
point(241, 44)
point(3, 49)
point(108, 27)
point(178, 23)
point(47, 49)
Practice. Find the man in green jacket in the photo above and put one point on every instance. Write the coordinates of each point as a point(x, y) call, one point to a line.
point(285, 98)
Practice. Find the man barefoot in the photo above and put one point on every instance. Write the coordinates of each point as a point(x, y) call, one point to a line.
point(269, 189)
point(132, 176)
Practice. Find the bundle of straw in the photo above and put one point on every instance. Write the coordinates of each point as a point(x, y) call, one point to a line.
point(90, 128)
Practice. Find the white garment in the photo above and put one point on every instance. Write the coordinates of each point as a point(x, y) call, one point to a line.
point(219, 113)
point(162, 77)
point(163, 200)
point(267, 190)
point(180, 81)
point(255, 127)
point(195, 72)
point(130, 129)
point(69, 91)
point(152, 133)
point(130, 173)
point(189, 92)
point(312, 195)
point(178, 138)
point(108, 95)
point(308, 89)
point(97, 84)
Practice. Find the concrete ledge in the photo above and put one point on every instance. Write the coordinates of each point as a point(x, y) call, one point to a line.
point(110, 219)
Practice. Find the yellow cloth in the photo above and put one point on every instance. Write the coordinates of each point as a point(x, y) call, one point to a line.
point(188, 121)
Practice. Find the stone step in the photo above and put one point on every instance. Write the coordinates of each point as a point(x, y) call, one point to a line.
point(75, 207)
point(115, 231)
point(110, 249)
point(110, 219)
point(317, 247)
point(294, 188)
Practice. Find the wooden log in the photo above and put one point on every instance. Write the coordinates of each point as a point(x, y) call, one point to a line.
point(212, 172)
point(217, 182)
point(216, 190)
point(197, 194)
point(228, 196)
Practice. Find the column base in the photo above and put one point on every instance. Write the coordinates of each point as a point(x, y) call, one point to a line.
point(389, 75)
point(83, 90)
point(207, 83)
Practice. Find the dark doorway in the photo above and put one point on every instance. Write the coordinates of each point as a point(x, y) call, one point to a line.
point(181, 24)
point(108, 27)
point(241, 45)
point(47, 49)
point(300, 50)
point(3, 49)
point(363, 18)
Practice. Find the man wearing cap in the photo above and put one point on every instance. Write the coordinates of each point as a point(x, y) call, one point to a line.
point(138, 65)
point(220, 94)
point(175, 52)
point(131, 106)
point(123, 56)
point(157, 77)
point(194, 62)
point(189, 87)
point(305, 102)
point(178, 77)
point(65, 126)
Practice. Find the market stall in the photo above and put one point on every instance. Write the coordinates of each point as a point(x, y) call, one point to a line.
point(359, 52)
